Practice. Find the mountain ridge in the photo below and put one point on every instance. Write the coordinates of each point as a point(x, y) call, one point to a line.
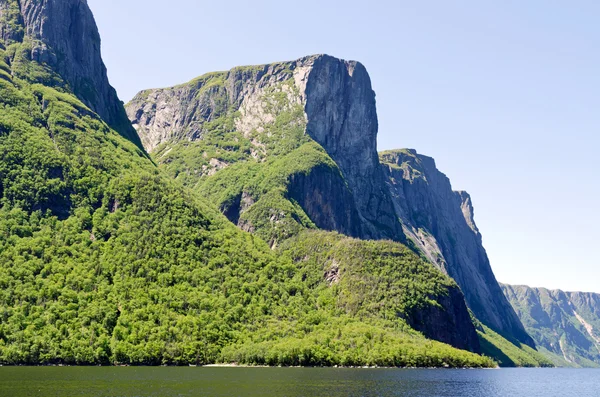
point(565, 324)
point(440, 221)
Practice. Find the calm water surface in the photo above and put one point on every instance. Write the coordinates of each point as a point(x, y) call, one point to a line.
point(295, 382)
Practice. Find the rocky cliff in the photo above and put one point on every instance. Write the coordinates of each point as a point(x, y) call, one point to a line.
point(564, 325)
point(441, 224)
point(207, 132)
point(326, 99)
point(451, 310)
point(342, 117)
point(63, 40)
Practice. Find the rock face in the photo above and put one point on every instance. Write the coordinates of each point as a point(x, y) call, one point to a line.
point(313, 191)
point(342, 117)
point(62, 35)
point(440, 222)
point(333, 104)
point(451, 311)
point(338, 111)
point(184, 112)
point(564, 325)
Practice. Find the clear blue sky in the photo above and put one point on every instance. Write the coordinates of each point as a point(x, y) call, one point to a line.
point(505, 95)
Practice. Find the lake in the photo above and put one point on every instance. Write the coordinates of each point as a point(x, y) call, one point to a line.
point(295, 382)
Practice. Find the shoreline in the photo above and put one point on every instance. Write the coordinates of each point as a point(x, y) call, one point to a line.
point(234, 365)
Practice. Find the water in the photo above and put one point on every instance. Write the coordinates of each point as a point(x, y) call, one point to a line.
point(295, 382)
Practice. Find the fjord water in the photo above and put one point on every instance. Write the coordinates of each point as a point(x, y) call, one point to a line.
point(295, 382)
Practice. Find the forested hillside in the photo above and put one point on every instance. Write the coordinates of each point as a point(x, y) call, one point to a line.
point(105, 260)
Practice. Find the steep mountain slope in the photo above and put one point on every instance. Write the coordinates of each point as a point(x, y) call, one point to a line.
point(104, 260)
point(382, 283)
point(565, 325)
point(441, 223)
point(289, 146)
point(510, 353)
point(62, 38)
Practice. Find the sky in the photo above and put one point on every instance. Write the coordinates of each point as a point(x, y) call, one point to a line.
point(505, 95)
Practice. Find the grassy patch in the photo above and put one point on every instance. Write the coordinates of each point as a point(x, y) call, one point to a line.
point(509, 354)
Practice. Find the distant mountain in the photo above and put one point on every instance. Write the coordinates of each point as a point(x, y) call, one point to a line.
point(290, 146)
point(564, 325)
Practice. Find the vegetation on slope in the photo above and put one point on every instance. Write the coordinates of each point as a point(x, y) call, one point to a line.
point(361, 295)
point(563, 324)
point(271, 214)
point(222, 163)
point(345, 341)
point(103, 260)
point(510, 354)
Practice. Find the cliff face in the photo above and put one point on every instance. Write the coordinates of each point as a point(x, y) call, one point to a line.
point(313, 192)
point(441, 224)
point(452, 311)
point(330, 100)
point(565, 325)
point(342, 117)
point(61, 36)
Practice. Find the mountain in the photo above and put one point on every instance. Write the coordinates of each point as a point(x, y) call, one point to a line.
point(105, 259)
point(314, 119)
point(62, 40)
point(441, 223)
point(564, 325)
point(290, 146)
